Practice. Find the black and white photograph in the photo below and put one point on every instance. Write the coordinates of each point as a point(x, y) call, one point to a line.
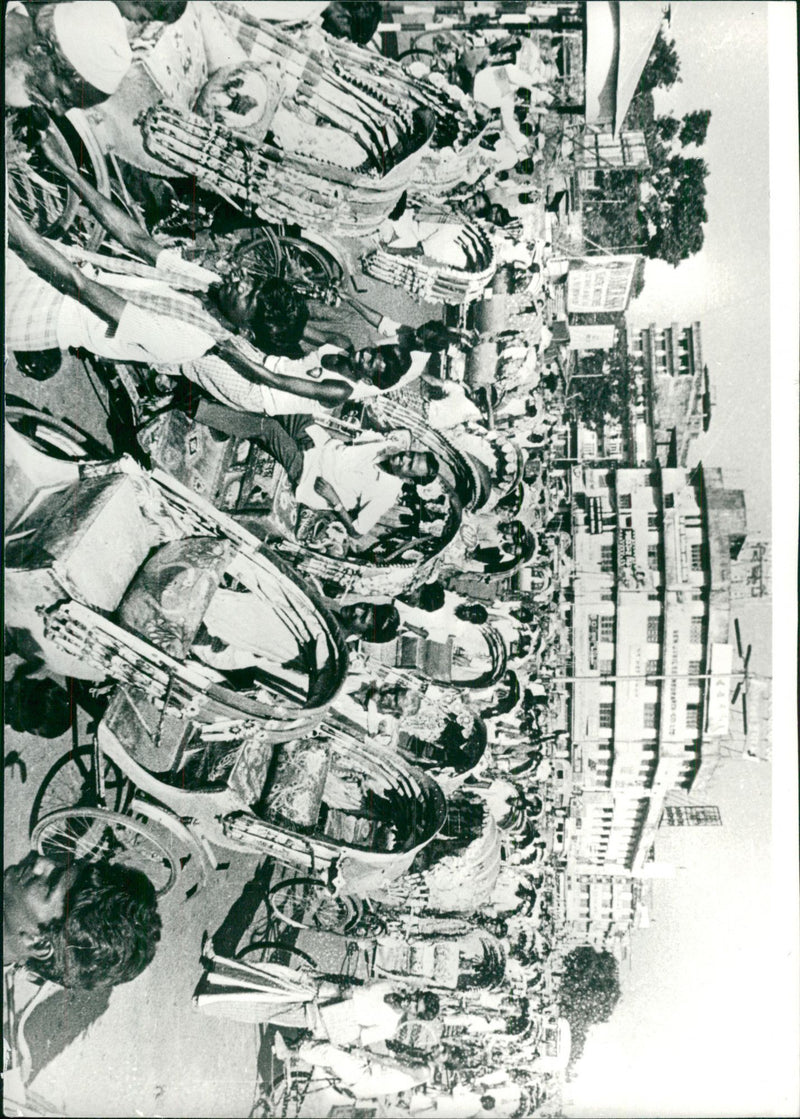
point(439, 362)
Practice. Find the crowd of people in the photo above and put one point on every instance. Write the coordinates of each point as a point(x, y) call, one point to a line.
point(340, 264)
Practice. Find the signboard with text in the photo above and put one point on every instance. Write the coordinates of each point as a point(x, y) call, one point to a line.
point(596, 284)
point(719, 691)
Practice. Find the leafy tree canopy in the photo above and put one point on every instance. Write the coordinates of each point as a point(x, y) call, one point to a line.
point(663, 66)
point(588, 993)
point(695, 127)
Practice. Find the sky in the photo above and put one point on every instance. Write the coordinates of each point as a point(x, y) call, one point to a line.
point(708, 1022)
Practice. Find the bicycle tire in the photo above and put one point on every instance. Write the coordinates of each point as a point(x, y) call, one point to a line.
point(66, 442)
point(119, 785)
point(277, 945)
point(344, 911)
point(265, 251)
point(34, 191)
point(51, 835)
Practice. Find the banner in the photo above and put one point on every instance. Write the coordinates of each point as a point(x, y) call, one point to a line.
point(597, 284)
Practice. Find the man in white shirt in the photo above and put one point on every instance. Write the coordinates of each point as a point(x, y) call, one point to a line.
point(359, 481)
point(368, 1016)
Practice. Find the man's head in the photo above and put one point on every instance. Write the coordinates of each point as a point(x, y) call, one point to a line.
point(472, 612)
point(151, 11)
point(76, 54)
point(396, 699)
point(420, 467)
point(382, 366)
point(417, 1004)
point(425, 1005)
point(81, 924)
point(376, 622)
point(270, 309)
point(356, 20)
point(37, 707)
point(431, 597)
point(434, 336)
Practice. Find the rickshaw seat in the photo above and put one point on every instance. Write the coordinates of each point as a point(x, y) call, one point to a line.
point(433, 659)
point(152, 738)
point(94, 537)
point(295, 784)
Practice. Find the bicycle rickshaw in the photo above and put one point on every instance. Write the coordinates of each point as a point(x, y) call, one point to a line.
point(478, 664)
point(115, 573)
point(449, 880)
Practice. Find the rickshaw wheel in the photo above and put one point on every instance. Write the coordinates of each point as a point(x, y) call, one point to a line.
point(310, 262)
point(260, 255)
point(307, 903)
point(256, 952)
point(72, 783)
point(99, 833)
point(46, 201)
point(52, 436)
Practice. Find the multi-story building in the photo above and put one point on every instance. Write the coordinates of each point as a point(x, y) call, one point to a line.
point(599, 909)
point(667, 372)
point(668, 399)
point(651, 674)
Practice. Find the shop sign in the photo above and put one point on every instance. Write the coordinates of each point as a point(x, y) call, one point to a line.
point(595, 515)
point(627, 546)
point(594, 640)
point(672, 652)
point(628, 573)
point(600, 284)
point(601, 337)
point(719, 690)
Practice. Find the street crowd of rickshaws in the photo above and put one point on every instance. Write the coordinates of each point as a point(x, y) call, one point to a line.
point(121, 569)
point(115, 569)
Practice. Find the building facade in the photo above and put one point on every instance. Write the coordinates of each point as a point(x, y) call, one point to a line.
point(666, 366)
point(651, 673)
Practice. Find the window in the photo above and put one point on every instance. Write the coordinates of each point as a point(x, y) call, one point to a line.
point(607, 628)
point(606, 667)
point(652, 556)
point(654, 596)
point(699, 594)
point(693, 716)
point(625, 501)
point(652, 521)
point(606, 715)
point(606, 596)
point(650, 716)
point(607, 557)
point(694, 668)
point(696, 631)
point(697, 557)
point(654, 631)
point(653, 667)
point(669, 500)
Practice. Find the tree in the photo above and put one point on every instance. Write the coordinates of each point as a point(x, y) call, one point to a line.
point(600, 390)
point(663, 65)
point(695, 127)
point(588, 993)
point(675, 212)
point(667, 128)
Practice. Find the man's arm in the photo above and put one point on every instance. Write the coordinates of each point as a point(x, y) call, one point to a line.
point(326, 491)
point(114, 219)
point(381, 322)
point(329, 393)
point(55, 269)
